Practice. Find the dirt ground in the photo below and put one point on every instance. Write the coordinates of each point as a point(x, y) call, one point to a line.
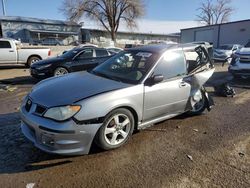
point(211, 150)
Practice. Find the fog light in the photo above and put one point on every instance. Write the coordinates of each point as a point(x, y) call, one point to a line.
point(47, 140)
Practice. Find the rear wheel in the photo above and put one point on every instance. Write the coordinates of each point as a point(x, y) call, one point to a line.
point(117, 128)
point(200, 103)
point(59, 71)
point(32, 60)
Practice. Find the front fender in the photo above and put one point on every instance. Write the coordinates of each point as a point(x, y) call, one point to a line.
point(100, 105)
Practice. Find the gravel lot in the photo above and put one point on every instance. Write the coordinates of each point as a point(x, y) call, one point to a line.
point(211, 150)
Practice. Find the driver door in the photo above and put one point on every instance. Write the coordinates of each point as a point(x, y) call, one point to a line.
point(171, 95)
point(84, 60)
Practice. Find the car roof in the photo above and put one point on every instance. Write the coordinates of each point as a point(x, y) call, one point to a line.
point(157, 48)
point(161, 48)
point(88, 47)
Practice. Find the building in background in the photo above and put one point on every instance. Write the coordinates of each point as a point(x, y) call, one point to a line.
point(35, 31)
point(227, 33)
point(39, 31)
point(102, 37)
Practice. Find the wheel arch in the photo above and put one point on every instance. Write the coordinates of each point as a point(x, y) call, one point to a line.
point(61, 66)
point(33, 55)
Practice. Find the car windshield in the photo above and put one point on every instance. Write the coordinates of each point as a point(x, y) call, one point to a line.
point(128, 66)
point(70, 53)
point(226, 47)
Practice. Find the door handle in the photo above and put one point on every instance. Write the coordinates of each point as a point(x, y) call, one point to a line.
point(182, 84)
point(11, 50)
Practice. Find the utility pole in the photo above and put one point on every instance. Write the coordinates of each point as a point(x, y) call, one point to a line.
point(3, 5)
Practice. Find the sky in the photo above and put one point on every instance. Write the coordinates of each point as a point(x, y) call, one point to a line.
point(177, 14)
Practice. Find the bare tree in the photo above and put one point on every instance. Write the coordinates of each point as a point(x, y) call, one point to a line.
point(216, 12)
point(109, 13)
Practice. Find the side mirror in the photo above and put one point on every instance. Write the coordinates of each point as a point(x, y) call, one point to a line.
point(154, 79)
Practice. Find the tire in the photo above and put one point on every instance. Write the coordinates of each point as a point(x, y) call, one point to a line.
point(200, 106)
point(117, 128)
point(59, 71)
point(32, 60)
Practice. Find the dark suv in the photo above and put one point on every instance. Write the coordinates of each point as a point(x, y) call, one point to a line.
point(77, 59)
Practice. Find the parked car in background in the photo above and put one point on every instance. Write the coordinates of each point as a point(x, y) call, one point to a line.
point(51, 42)
point(240, 63)
point(77, 59)
point(86, 45)
point(127, 46)
point(12, 52)
point(224, 52)
point(114, 50)
point(130, 91)
point(207, 45)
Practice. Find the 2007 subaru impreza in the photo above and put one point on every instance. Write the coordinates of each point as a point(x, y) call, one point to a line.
point(132, 90)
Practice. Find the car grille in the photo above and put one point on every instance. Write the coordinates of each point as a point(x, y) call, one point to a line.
point(245, 59)
point(28, 105)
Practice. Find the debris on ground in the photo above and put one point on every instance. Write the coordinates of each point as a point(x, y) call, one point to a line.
point(30, 185)
point(195, 130)
point(241, 154)
point(224, 90)
point(11, 89)
point(17, 108)
point(3, 87)
point(190, 157)
point(178, 127)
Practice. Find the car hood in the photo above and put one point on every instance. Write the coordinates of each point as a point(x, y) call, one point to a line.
point(47, 61)
point(243, 51)
point(68, 89)
point(221, 51)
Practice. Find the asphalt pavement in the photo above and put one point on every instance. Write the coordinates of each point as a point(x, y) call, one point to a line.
point(210, 150)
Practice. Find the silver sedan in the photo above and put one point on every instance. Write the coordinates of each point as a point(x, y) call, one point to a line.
point(132, 90)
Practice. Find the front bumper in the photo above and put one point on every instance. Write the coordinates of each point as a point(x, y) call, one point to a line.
point(65, 138)
point(44, 73)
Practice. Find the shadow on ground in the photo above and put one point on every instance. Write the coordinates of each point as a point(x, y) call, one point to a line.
point(17, 154)
point(22, 80)
point(20, 66)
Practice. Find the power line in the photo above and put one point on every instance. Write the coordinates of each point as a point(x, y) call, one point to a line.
point(3, 5)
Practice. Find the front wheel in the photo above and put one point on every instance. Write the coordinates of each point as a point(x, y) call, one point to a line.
point(117, 128)
point(59, 71)
point(200, 103)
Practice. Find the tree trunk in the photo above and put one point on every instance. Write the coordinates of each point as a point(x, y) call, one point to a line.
point(113, 35)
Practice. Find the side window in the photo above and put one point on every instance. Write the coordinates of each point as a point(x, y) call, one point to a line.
point(101, 53)
point(88, 53)
point(5, 44)
point(172, 64)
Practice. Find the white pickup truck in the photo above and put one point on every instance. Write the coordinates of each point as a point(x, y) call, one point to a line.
point(12, 52)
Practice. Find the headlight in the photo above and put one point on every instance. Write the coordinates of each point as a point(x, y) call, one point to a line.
point(43, 66)
point(62, 113)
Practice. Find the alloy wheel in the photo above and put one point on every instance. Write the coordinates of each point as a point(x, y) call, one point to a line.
point(117, 129)
point(60, 71)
